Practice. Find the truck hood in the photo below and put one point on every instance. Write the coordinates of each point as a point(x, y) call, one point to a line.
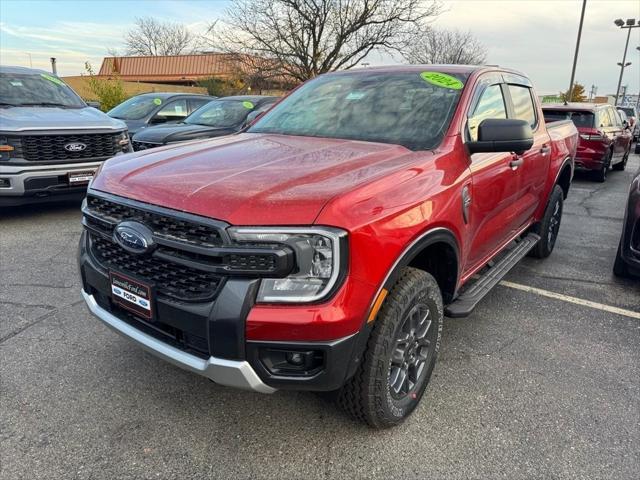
point(17, 119)
point(178, 132)
point(250, 179)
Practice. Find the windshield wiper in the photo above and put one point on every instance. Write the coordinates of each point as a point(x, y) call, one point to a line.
point(7, 104)
point(46, 104)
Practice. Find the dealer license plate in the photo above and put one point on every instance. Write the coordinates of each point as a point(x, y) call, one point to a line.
point(129, 293)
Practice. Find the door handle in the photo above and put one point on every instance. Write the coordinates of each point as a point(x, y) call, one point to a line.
point(545, 149)
point(516, 162)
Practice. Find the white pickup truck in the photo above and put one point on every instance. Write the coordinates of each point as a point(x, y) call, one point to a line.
point(51, 141)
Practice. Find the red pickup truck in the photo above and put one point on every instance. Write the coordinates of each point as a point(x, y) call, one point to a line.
point(321, 248)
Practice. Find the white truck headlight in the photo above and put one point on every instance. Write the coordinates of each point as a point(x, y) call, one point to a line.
point(320, 259)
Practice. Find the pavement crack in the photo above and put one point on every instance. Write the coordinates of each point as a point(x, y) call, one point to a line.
point(44, 285)
point(29, 305)
point(36, 321)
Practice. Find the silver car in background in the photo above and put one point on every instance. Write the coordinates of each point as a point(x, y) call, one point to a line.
point(51, 141)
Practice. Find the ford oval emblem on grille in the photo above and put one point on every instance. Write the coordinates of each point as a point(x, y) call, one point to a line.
point(134, 237)
point(75, 147)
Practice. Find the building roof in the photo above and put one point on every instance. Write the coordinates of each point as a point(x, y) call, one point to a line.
point(173, 68)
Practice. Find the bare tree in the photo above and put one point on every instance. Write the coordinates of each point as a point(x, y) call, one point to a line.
point(299, 39)
point(151, 37)
point(446, 47)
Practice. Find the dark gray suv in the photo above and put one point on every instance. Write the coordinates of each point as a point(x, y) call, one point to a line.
point(156, 108)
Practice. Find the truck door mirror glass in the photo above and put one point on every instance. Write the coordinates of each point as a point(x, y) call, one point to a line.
point(502, 135)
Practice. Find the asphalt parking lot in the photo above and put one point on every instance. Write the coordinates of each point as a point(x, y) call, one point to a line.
point(527, 387)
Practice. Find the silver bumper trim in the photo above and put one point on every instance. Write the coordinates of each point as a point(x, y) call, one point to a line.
point(231, 373)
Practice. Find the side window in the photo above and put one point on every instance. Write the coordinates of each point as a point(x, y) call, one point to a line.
point(523, 104)
point(490, 105)
point(605, 120)
point(615, 118)
point(196, 103)
point(175, 110)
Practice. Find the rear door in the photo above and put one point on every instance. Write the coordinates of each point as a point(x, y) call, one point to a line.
point(493, 210)
point(534, 162)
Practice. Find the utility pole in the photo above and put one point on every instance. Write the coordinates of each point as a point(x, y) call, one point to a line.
point(575, 55)
point(593, 92)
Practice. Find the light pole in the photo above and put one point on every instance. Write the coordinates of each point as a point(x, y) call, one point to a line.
point(629, 24)
point(575, 55)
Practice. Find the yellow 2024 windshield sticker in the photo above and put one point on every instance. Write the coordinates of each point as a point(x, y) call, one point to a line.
point(442, 80)
point(55, 80)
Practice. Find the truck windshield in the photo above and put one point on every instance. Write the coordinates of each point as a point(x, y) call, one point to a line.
point(221, 113)
point(580, 118)
point(135, 108)
point(41, 90)
point(398, 108)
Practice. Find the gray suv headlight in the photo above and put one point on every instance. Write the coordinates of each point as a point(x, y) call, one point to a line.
point(320, 254)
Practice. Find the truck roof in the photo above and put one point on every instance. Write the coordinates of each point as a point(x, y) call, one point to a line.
point(463, 69)
point(574, 106)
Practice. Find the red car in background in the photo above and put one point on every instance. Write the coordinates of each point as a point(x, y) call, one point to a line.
point(605, 141)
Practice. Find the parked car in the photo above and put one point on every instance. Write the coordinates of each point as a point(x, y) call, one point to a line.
point(321, 248)
point(627, 261)
point(51, 141)
point(632, 115)
point(604, 141)
point(221, 117)
point(150, 109)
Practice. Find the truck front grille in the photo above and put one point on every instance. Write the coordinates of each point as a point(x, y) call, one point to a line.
point(110, 213)
point(51, 148)
point(170, 279)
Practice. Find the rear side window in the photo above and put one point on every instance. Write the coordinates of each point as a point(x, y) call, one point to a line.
point(490, 105)
point(579, 118)
point(604, 119)
point(523, 104)
point(615, 118)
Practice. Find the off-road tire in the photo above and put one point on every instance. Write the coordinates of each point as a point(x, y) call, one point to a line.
point(368, 395)
point(549, 226)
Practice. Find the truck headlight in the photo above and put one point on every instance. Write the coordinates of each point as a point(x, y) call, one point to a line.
point(320, 259)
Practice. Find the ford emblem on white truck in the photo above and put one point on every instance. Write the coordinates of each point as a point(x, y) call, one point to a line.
point(75, 147)
point(134, 237)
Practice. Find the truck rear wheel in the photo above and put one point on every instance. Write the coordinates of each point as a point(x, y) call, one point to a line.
point(400, 354)
point(549, 226)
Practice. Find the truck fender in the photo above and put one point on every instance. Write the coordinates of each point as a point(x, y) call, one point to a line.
point(410, 253)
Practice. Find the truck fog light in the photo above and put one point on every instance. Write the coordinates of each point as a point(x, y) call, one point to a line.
point(295, 358)
point(5, 183)
point(292, 362)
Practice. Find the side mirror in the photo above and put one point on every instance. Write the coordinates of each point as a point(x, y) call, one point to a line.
point(94, 104)
point(502, 135)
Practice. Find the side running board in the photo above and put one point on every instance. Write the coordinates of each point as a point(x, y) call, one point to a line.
point(470, 297)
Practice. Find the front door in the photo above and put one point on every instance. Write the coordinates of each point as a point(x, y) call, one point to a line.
point(493, 212)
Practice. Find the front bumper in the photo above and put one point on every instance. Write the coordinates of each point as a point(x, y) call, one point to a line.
point(232, 373)
point(29, 184)
point(209, 338)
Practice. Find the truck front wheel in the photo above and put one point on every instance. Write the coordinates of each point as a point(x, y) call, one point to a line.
point(400, 354)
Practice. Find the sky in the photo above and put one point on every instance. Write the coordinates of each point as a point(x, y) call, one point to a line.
point(535, 36)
